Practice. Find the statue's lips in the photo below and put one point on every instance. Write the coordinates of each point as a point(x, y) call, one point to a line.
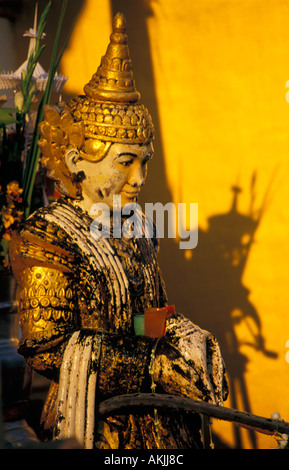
point(131, 194)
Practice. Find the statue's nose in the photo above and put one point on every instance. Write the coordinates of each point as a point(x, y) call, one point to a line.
point(137, 176)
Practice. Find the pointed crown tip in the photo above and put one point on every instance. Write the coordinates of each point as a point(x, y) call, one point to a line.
point(119, 23)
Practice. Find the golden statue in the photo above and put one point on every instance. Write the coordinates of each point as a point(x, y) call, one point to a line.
point(79, 293)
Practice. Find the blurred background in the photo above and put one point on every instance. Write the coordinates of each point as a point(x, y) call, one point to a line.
point(213, 74)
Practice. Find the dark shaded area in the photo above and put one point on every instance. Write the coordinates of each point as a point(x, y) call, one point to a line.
point(136, 13)
point(10, 9)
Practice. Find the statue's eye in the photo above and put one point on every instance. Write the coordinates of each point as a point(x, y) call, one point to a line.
point(126, 162)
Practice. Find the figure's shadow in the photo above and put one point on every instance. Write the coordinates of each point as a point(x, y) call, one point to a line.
point(214, 295)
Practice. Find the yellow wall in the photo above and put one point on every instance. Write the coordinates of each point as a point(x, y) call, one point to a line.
point(221, 69)
point(217, 91)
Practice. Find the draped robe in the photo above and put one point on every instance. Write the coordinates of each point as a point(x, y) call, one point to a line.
point(77, 297)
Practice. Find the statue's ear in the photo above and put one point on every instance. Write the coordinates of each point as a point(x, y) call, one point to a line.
point(71, 158)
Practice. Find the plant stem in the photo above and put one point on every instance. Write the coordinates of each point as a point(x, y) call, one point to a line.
point(31, 169)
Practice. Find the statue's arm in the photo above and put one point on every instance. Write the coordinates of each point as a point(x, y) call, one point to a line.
point(186, 361)
point(47, 317)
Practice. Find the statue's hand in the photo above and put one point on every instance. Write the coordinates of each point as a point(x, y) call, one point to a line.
point(188, 362)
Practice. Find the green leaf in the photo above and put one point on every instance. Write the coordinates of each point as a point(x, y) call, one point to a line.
point(44, 15)
point(39, 52)
point(28, 100)
point(6, 116)
point(27, 75)
point(5, 246)
point(34, 153)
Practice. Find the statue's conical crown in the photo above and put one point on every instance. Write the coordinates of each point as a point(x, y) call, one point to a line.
point(113, 80)
point(110, 110)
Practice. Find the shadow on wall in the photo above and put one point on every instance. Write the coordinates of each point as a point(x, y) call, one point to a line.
point(214, 295)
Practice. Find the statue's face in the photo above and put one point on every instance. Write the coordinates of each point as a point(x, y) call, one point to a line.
point(122, 172)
